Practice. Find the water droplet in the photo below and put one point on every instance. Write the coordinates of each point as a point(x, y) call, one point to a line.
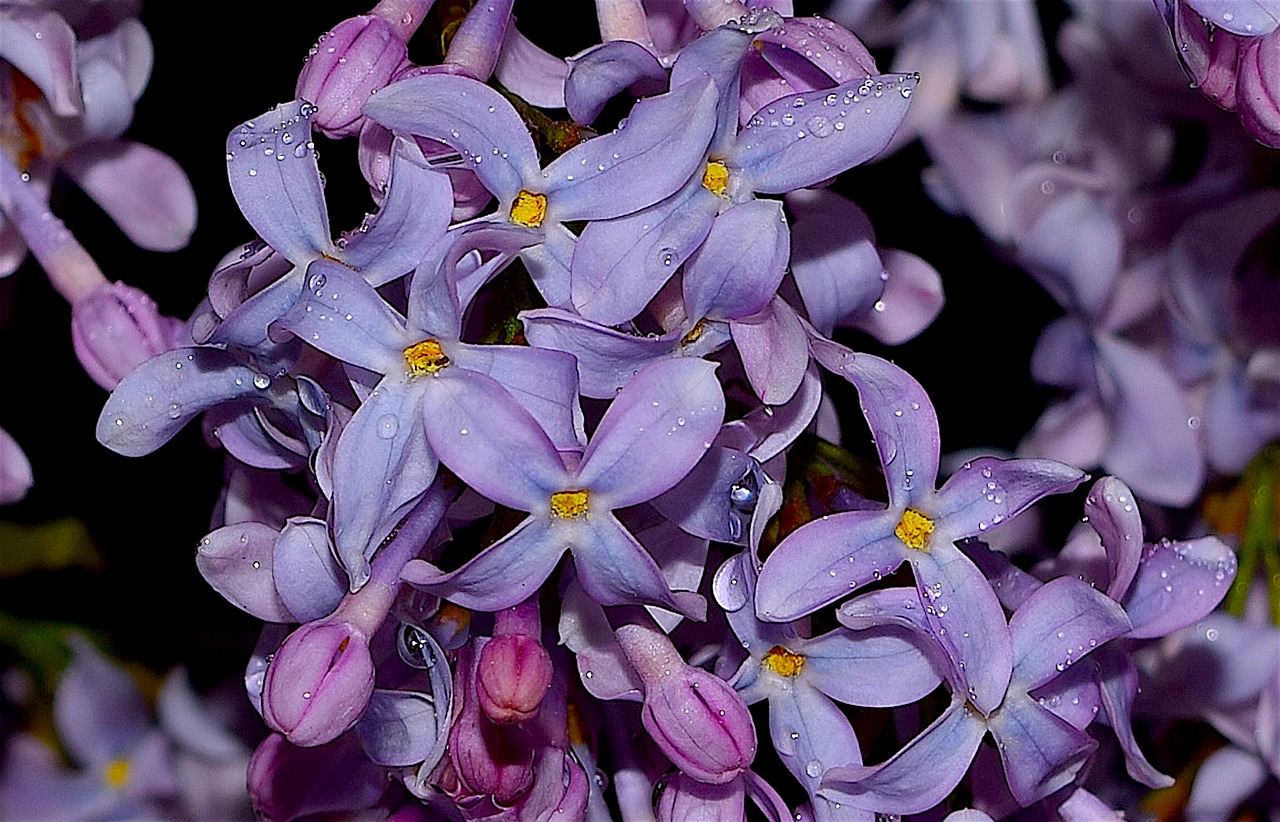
point(388, 425)
point(261, 381)
point(317, 281)
point(813, 769)
point(175, 411)
point(820, 126)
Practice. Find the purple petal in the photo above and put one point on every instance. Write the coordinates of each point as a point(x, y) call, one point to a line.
point(485, 437)
point(681, 557)
point(656, 430)
point(1058, 625)
point(548, 264)
point(1077, 248)
point(987, 492)
point(155, 400)
point(660, 145)
point(912, 299)
point(144, 190)
point(701, 503)
point(615, 569)
point(834, 130)
point(343, 316)
point(1251, 18)
point(737, 269)
point(275, 181)
point(602, 71)
point(1113, 513)
point(834, 259)
point(544, 382)
point(920, 775)
point(15, 470)
point(387, 464)
point(469, 116)
point(602, 666)
point(967, 621)
point(307, 575)
point(42, 46)
point(401, 728)
point(536, 76)
point(1224, 780)
point(826, 559)
point(236, 562)
point(1040, 752)
point(1119, 685)
point(811, 735)
point(435, 305)
point(98, 711)
point(502, 575)
point(879, 667)
point(1178, 583)
point(1074, 696)
point(774, 350)
point(607, 359)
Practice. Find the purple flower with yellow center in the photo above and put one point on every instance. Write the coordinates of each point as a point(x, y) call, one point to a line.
point(653, 434)
point(827, 558)
point(655, 151)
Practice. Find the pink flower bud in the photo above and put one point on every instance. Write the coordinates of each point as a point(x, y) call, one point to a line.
point(490, 760)
point(513, 677)
point(117, 328)
point(286, 782)
point(701, 724)
point(354, 59)
point(319, 682)
point(1258, 89)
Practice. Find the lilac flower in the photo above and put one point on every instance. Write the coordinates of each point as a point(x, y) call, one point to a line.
point(117, 328)
point(348, 63)
point(827, 558)
point(15, 470)
point(652, 435)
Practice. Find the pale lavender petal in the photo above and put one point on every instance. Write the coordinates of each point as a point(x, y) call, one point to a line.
point(1074, 695)
point(1235, 426)
point(826, 559)
point(920, 775)
point(185, 718)
point(1219, 663)
point(986, 492)
point(1058, 625)
point(155, 400)
point(655, 431)
point(1251, 18)
point(651, 155)
point(912, 299)
point(1224, 780)
point(144, 190)
point(98, 710)
point(834, 259)
point(607, 359)
point(236, 562)
point(602, 666)
point(1119, 686)
point(387, 464)
point(544, 382)
point(469, 116)
point(718, 54)
point(434, 303)
point(811, 735)
point(737, 269)
point(15, 470)
point(1178, 583)
point(1076, 247)
point(307, 575)
point(42, 46)
point(899, 606)
point(485, 437)
point(879, 667)
point(1113, 513)
point(1074, 431)
point(1062, 356)
point(600, 72)
point(502, 575)
point(681, 557)
point(615, 569)
point(774, 350)
point(548, 264)
point(1083, 806)
point(1152, 447)
point(837, 129)
point(275, 180)
point(968, 622)
point(401, 728)
point(1041, 753)
point(701, 503)
point(534, 75)
point(769, 430)
point(343, 316)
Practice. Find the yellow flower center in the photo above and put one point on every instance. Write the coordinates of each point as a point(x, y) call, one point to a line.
point(694, 333)
point(914, 529)
point(569, 504)
point(116, 773)
point(716, 178)
point(783, 662)
point(529, 209)
point(426, 357)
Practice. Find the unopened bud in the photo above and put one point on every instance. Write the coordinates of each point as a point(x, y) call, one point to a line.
point(319, 682)
point(1258, 89)
point(513, 677)
point(353, 60)
point(701, 724)
point(117, 328)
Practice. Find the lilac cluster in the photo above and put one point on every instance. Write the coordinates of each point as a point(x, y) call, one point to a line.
point(533, 474)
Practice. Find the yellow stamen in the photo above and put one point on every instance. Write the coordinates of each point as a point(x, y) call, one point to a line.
point(576, 731)
point(529, 209)
point(914, 529)
point(116, 773)
point(716, 178)
point(426, 357)
point(783, 662)
point(694, 333)
point(455, 614)
point(569, 504)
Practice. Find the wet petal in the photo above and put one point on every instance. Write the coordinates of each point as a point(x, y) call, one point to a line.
point(1178, 583)
point(878, 667)
point(987, 492)
point(236, 562)
point(702, 502)
point(144, 190)
point(655, 431)
point(307, 575)
point(601, 664)
point(534, 75)
point(1040, 752)
point(826, 559)
point(600, 72)
point(271, 162)
point(774, 350)
point(401, 728)
point(811, 735)
point(834, 258)
point(1060, 623)
point(343, 316)
point(738, 267)
point(607, 359)
point(912, 299)
point(615, 569)
point(1113, 513)
point(841, 127)
point(544, 382)
point(1247, 17)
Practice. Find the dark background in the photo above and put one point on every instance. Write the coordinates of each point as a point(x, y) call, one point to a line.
point(217, 65)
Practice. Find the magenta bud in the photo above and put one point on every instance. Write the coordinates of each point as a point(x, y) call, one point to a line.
point(701, 724)
point(117, 328)
point(1258, 89)
point(513, 677)
point(318, 683)
point(351, 61)
point(286, 782)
